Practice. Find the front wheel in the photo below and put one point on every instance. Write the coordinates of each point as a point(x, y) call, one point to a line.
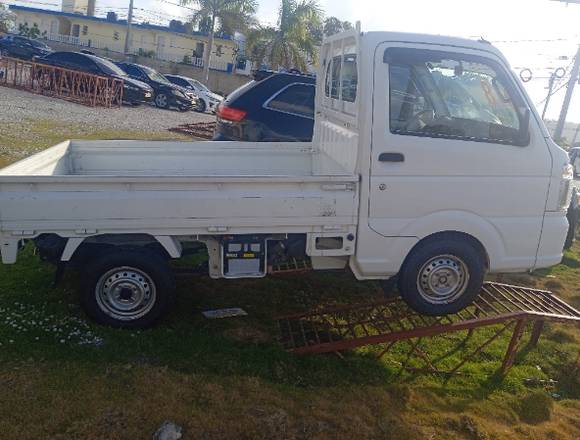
point(162, 101)
point(127, 289)
point(201, 106)
point(442, 276)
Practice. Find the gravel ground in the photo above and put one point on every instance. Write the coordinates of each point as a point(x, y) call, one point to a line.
point(17, 106)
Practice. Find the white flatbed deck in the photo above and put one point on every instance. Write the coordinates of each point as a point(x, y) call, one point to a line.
point(79, 188)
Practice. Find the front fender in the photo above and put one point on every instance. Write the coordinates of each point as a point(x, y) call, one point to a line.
point(468, 223)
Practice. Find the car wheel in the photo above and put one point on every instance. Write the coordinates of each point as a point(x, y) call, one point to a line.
point(127, 289)
point(201, 106)
point(443, 275)
point(162, 101)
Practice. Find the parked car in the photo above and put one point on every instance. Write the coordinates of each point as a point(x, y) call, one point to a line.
point(167, 94)
point(207, 100)
point(17, 46)
point(134, 92)
point(275, 107)
point(575, 160)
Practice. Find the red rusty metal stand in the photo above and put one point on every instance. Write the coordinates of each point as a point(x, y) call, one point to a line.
point(499, 308)
point(71, 85)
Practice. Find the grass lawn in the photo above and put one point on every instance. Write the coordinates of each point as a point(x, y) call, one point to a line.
point(63, 378)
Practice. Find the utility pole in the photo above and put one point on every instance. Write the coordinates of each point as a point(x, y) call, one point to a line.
point(550, 89)
point(128, 36)
point(571, 84)
point(568, 98)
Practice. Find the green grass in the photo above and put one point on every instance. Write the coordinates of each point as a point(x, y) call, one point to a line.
point(230, 378)
point(62, 377)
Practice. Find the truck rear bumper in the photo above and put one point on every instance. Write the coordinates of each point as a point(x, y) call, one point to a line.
point(554, 232)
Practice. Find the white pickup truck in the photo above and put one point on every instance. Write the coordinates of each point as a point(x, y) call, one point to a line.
point(429, 164)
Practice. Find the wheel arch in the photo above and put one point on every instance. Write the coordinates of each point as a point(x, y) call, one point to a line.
point(462, 224)
point(166, 246)
point(452, 235)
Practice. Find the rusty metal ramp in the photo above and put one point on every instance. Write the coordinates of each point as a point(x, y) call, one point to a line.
point(500, 306)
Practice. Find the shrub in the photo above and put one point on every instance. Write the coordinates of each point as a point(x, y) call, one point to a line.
point(536, 407)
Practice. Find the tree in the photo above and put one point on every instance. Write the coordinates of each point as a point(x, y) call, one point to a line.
point(7, 19)
point(230, 15)
point(333, 25)
point(290, 44)
point(30, 32)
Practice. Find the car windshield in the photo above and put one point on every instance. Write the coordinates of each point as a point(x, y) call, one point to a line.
point(108, 67)
point(201, 86)
point(154, 75)
point(39, 45)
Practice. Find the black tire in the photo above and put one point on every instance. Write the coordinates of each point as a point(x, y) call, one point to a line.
point(162, 101)
point(201, 106)
point(445, 262)
point(133, 273)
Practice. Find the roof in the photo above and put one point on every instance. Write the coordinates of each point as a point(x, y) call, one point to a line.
point(119, 22)
point(443, 40)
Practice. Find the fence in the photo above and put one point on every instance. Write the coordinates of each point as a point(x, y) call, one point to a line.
point(82, 88)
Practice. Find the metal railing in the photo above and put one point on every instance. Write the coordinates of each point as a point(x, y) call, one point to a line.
point(82, 88)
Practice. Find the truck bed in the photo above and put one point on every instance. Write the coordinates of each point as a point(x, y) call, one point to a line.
point(169, 159)
point(176, 188)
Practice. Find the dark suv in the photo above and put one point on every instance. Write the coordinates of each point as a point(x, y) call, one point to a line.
point(275, 107)
point(21, 47)
point(134, 92)
point(167, 94)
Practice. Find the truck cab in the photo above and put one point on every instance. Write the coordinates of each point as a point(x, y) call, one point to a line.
point(429, 167)
point(456, 166)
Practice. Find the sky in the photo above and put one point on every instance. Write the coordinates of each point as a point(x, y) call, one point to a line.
point(541, 35)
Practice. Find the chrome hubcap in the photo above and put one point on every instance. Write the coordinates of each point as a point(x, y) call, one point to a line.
point(443, 279)
point(125, 293)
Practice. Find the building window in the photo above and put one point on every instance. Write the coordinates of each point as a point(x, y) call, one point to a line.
point(76, 30)
point(219, 51)
point(116, 36)
point(172, 42)
point(85, 30)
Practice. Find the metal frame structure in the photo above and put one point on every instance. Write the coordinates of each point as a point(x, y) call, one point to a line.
point(499, 308)
point(80, 87)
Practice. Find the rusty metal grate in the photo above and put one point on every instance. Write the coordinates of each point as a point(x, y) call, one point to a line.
point(392, 321)
point(71, 85)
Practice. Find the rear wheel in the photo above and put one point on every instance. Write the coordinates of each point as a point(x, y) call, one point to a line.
point(127, 289)
point(442, 275)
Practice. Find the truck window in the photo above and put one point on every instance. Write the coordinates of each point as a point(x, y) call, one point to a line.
point(349, 78)
point(296, 99)
point(453, 96)
point(335, 78)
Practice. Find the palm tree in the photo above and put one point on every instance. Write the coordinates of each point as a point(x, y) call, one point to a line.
point(230, 15)
point(291, 44)
point(6, 19)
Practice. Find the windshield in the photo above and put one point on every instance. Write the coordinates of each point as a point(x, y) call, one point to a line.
point(108, 67)
point(201, 86)
point(39, 45)
point(154, 75)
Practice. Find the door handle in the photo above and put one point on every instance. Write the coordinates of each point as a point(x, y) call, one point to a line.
point(392, 157)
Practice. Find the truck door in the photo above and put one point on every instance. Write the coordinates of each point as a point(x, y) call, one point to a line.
point(453, 150)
